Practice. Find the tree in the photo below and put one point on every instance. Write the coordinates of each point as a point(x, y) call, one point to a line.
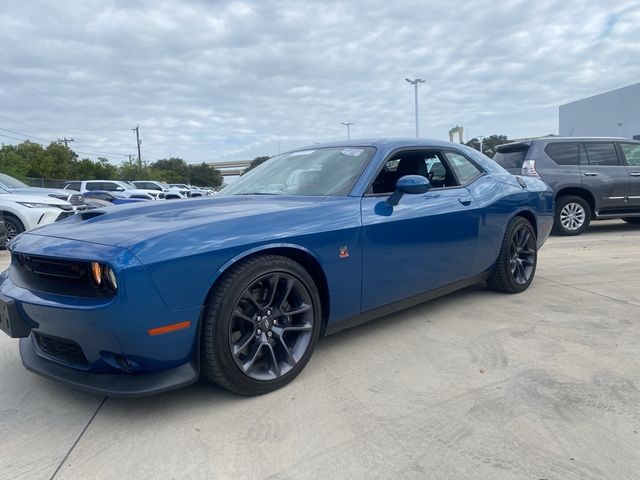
point(12, 163)
point(488, 144)
point(171, 170)
point(255, 162)
point(204, 176)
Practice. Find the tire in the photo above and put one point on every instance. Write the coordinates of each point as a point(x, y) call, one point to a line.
point(572, 216)
point(13, 226)
point(519, 247)
point(632, 220)
point(252, 340)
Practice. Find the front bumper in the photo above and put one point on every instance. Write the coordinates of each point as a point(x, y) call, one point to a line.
point(112, 385)
point(101, 344)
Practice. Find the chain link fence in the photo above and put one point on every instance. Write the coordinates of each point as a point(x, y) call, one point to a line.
point(45, 182)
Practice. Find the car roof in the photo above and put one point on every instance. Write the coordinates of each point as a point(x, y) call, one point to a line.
point(527, 142)
point(380, 143)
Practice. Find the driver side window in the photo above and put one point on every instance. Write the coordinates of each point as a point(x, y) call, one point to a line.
point(430, 165)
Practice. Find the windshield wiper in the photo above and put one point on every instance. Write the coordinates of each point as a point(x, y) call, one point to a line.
point(256, 193)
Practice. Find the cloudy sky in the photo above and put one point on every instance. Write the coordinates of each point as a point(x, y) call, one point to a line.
point(225, 80)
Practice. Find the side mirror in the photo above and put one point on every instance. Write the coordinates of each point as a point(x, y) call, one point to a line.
point(119, 189)
point(409, 184)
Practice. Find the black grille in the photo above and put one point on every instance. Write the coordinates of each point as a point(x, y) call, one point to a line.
point(76, 199)
point(63, 349)
point(51, 268)
point(62, 277)
point(64, 215)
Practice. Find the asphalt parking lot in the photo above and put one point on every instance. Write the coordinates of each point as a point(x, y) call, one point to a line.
point(541, 385)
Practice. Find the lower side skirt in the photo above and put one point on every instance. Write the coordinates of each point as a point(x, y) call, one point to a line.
point(403, 304)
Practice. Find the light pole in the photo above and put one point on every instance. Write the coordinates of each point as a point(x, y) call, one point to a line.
point(415, 84)
point(480, 138)
point(348, 124)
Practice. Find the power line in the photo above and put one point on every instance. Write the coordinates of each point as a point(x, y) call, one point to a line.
point(31, 138)
point(23, 134)
point(21, 139)
point(24, 84)
point(18, 121)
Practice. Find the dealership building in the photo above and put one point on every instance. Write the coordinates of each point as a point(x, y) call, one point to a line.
point(610, 114)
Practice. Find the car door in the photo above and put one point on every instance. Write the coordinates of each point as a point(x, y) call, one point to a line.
point(424, 242)
point(631, 154)
point(605, 175)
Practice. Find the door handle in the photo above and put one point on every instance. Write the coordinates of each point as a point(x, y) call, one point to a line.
point(635, 174)
point(466, 201)
point(590, 174)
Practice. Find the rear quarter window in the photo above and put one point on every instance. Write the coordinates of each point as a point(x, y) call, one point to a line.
point(511, 158)
point(563, 153)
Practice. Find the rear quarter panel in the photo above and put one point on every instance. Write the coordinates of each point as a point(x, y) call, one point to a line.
point(500, 197)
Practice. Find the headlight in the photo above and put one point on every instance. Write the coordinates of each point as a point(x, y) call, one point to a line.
point(36, 205)
point(103, 275)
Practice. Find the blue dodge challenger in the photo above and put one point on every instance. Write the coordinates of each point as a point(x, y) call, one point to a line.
point(238, 288)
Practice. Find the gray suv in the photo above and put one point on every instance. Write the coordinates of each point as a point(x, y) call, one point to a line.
point(592, 178)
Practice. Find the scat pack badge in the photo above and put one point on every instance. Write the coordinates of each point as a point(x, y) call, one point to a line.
point(343, 252)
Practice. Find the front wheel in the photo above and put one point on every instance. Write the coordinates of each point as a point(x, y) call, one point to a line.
point(517, 260)
point(260, 325)
point(13, 226)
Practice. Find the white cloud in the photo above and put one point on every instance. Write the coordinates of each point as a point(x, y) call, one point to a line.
point(224, 80)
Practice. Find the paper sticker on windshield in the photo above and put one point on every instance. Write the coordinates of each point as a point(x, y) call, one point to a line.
point(352, 152)
point(301, 152)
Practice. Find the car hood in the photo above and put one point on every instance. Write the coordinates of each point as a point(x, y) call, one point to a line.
point(41, 191)
point(31, 198)
point(127, 225)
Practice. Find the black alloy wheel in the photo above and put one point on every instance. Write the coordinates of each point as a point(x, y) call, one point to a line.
point(260, 325)
point(271, 326)
point(516, 263)
point(522, 254)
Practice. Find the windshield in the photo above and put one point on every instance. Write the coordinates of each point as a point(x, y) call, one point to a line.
point(320, 171)
point(125, 185)
point(11, 182)
point(3, 191)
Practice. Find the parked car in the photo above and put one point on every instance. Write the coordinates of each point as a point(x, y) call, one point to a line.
point(3, 233)
point(14, 185)
point(241, 285)
point(191, 191)
point(591, 178)
point(168, 192)
point(100, 198)
point(23, 212)
point(110, 186)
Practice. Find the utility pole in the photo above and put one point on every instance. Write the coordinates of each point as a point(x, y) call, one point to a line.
point(66, 140)
point(415, 84)
point(348, 124)
point(137, 130)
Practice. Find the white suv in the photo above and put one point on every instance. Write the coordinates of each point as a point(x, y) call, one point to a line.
point(23, 212)
point(116, 187)
point(170, 193)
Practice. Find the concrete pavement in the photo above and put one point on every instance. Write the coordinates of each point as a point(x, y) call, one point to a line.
point(541, 385)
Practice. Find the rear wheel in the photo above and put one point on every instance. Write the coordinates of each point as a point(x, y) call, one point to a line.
point(573, 215)
point(632, 220)
point(260, 325)
point(517, 260)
